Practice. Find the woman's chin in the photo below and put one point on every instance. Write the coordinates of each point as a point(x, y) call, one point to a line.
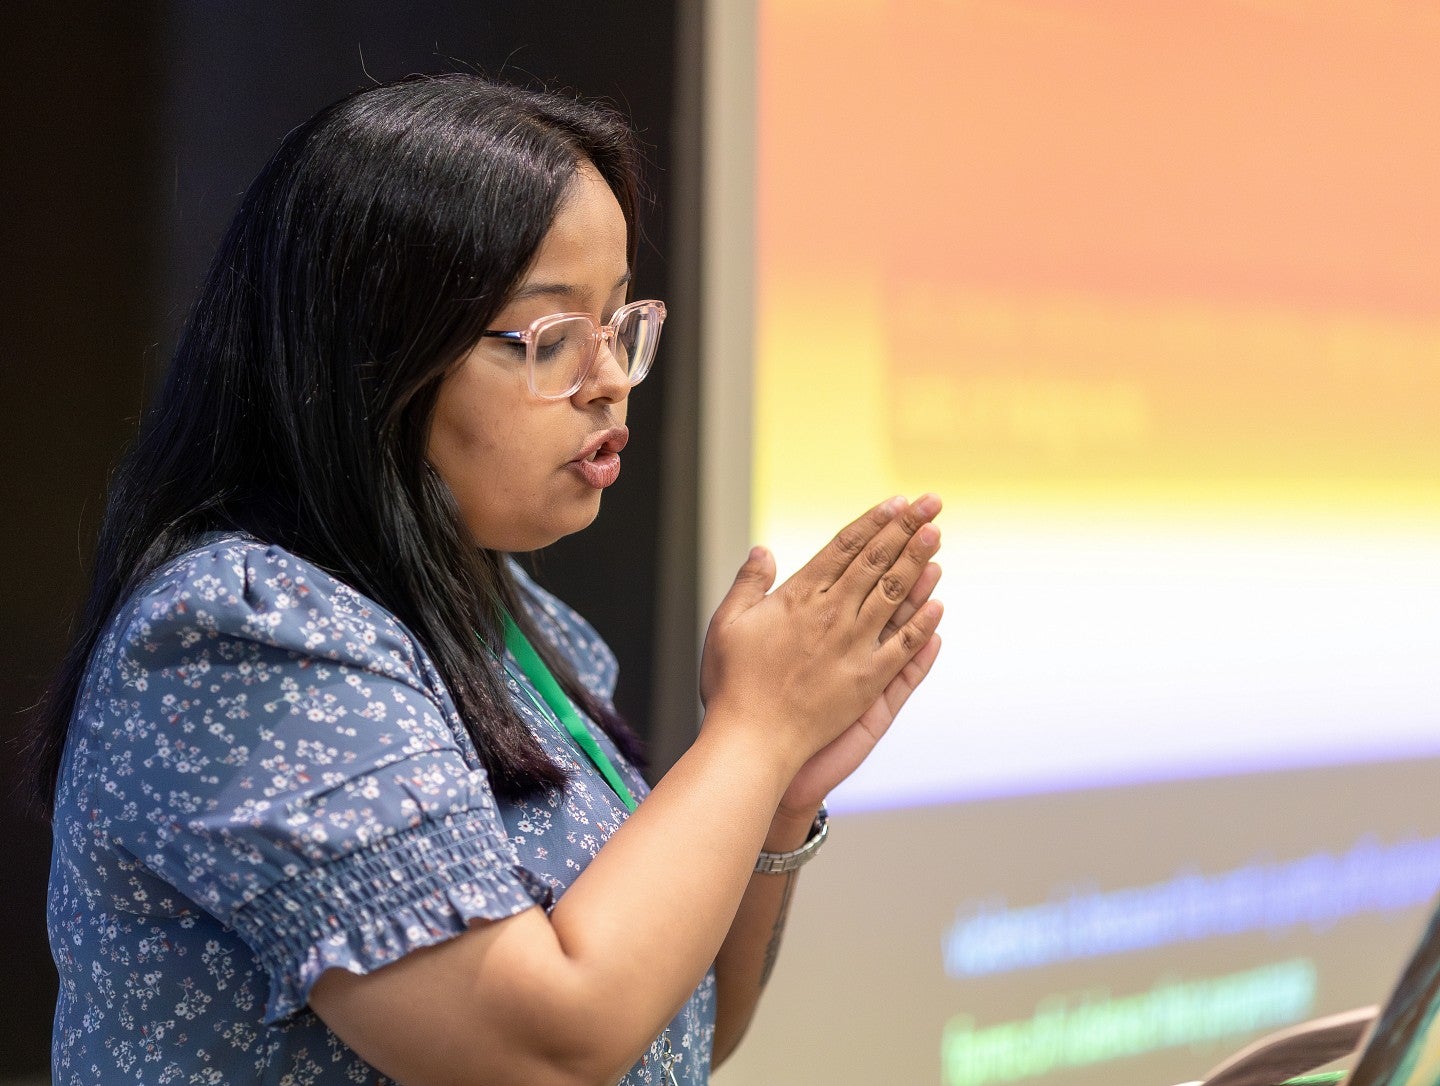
point(516, 537)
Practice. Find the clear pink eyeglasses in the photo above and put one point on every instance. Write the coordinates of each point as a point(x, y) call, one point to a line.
point(561, 348)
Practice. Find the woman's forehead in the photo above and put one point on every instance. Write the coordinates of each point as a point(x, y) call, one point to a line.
point(586, 250)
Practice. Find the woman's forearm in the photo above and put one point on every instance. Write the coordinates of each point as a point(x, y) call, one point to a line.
point(752, 945)
point(674, 891)
point(577, 996)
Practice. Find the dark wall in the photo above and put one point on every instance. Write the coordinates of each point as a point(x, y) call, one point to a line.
point(130, 131)
point(78, 259)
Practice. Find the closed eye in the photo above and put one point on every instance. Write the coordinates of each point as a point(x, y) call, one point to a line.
point(560, 339)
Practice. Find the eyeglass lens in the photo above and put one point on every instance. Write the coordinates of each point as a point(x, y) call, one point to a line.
point(564, 348)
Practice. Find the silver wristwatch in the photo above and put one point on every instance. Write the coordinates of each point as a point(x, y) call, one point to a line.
point(777, 863)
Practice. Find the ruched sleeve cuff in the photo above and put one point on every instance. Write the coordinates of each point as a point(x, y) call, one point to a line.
point(368, 909)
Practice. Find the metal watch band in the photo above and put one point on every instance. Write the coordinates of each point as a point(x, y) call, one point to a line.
point(777, 863)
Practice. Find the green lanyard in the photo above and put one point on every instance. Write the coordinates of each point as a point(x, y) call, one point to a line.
point(543, 681)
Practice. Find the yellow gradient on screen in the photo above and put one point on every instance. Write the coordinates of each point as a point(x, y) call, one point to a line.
point(1117, 255)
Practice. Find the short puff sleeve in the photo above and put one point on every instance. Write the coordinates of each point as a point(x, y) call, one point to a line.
point(279, 749)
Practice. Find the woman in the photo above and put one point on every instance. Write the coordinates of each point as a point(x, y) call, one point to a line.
point(341, 793)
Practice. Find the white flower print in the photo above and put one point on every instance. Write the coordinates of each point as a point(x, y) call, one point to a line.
point(239, 813)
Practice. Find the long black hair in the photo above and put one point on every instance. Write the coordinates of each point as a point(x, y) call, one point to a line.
point(382, 237)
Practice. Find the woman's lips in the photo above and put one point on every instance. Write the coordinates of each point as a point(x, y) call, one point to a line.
point(599, 472)
point(598, 462)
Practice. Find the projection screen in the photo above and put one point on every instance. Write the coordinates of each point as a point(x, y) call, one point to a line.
point(1149, 294)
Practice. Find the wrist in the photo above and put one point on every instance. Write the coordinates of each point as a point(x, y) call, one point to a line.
point(789, 829)
point(728, 744)
point(767, 739)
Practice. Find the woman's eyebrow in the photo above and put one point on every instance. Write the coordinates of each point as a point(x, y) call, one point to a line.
point(559, 290)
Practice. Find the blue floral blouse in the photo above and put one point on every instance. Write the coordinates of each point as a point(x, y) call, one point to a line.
point(265, 778)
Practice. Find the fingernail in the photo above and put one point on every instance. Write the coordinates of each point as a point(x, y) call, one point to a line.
point(894, 505)
point(927, 505)
point(928, 536)
point(757, 553)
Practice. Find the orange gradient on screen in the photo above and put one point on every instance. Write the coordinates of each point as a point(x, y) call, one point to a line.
point(1053, 255)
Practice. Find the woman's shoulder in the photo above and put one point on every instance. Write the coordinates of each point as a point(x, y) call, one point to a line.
point(237, 588)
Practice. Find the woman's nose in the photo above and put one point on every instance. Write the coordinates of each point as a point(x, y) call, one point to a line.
point(608, 378)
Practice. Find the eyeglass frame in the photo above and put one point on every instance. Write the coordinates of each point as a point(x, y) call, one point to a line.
point(600, 333)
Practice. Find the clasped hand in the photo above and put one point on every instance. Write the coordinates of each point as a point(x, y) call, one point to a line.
point(824, 662)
